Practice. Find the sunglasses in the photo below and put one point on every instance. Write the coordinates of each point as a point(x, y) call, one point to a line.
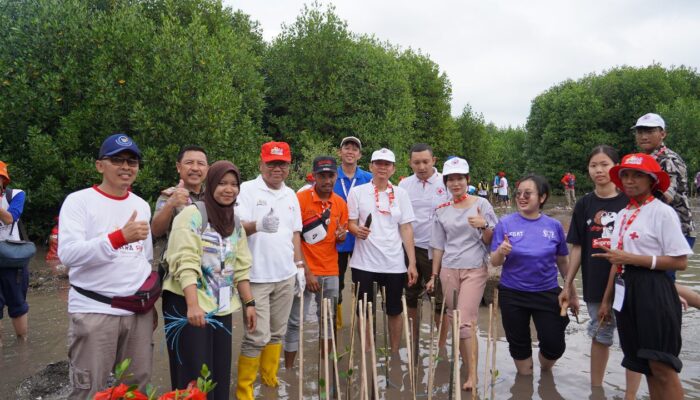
point(119, 161)
point(525, 195)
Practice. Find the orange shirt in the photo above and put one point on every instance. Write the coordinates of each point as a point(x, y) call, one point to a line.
point(322, 257)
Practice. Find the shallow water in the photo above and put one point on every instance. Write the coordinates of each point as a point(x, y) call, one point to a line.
point(569, 379)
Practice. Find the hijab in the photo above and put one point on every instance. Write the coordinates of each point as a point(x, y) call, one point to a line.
point(220, 216)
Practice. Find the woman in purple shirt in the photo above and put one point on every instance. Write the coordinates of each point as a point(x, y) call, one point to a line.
point(531, 247)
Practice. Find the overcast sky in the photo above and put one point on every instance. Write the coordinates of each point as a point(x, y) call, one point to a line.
point(500, 54)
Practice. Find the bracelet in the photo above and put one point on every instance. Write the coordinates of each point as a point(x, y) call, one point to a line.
point(300, 262)
point(653, 262)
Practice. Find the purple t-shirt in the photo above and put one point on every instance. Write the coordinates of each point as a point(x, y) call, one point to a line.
point(531, 265)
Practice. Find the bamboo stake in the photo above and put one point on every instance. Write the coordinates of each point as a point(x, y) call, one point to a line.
point(331, 324)
point(494, 345)
point(320, 345)
point(324, 317)
point(301, 347)
point(407, 332)
point(455, 345)
point(416, 340)
point(374, 354)
point(488, 348)
point(430, 349)
point(363, 343)
point(439, 332)
point(474, 358)
point(386, 338)
point(351, 356)
point(455, 351)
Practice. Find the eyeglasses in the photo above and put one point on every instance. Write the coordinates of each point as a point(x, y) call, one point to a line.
point(119, 161)
point(524, 195)
point(277, 164)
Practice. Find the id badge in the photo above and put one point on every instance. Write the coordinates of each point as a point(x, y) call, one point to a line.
point(224, 298)
point(619, 294)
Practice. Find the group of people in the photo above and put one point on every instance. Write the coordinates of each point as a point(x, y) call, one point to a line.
point(223, 245)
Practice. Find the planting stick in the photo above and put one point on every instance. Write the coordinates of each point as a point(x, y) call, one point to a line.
point(458, 386)
point(439, 332)
point(331, 324)
point(320, 345)
point(407, 332)
point(326, 365)
point(474, 357)
point(495, 342)
point(363, 343)
point(488, 348)
point(374, 297)
point(301, 347)
point(386, 338)
point(353, 318)
point(430, 349)
point(375, 382)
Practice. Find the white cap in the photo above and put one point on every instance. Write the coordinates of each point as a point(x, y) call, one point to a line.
point(455, 165)
point(650, 120)
point(383, 154)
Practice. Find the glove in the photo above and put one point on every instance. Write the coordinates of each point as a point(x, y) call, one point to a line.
point(269, 223)
point(301, 282)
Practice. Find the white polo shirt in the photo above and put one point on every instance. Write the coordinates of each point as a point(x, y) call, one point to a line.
point(273, 253)
point(655, 231)
point(425, 197)
point(382, 251)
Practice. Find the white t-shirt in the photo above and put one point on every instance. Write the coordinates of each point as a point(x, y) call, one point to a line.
point(273, 253)
point(11, 230)
point(503, 188)
point(425, 198)
point(87, 218)
point(655, 231)
point(382, 251)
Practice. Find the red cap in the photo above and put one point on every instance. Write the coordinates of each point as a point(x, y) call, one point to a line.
point(644, 163)
point(275, 151)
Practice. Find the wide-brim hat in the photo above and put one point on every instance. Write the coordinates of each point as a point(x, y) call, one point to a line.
point(644, 163)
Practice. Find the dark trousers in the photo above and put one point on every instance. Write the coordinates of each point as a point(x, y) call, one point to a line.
point(197, 346)
point(343, 258)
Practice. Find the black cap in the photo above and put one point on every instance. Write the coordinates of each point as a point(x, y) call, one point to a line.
point(325, 164)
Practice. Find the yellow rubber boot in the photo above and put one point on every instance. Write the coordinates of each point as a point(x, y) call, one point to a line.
point(338, 317)
point(247, 372)
point(270, 363)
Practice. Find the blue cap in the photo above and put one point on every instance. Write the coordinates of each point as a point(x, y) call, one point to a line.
point(116, 144)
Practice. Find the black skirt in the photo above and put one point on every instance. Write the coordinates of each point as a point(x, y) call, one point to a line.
point(649, 324)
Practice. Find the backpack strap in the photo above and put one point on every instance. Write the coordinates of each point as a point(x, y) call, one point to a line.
point(203, 211)
point(9, 194)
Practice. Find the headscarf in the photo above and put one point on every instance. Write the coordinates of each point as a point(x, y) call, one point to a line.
point(220, 216)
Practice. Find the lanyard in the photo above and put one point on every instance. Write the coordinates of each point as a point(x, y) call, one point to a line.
point(342, 183)
point(625, 223)
point(390, 192)
point(222, 252)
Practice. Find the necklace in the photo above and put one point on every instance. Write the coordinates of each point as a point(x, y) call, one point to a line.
point(390, 192)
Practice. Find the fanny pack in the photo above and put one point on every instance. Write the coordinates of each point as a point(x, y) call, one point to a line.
point(16, 253)
point(315, 229)
point(140, 302)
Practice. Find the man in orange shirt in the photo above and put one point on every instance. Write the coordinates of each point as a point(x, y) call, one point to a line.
point(324, 217)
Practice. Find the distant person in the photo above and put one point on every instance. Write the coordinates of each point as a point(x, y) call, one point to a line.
point(591, 227)
point(531, 246)
point(349, 175)
point(503, 190)
point(647, 241)
point(14, 282)
point(105, 262)
point(427, 191)
point(483, 189)
point(496, 184)
point(569, 182)
point(649, 133)
point(310, 181)
point(697, 183)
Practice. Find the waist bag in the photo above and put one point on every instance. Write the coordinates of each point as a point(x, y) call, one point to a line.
point(315, 229)
point(15, 253)
point(140, 302)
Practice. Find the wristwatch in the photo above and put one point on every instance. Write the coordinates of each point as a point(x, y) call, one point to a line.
point(250, 303)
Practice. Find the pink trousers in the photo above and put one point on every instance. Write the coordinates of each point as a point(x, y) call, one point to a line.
point(469, 285)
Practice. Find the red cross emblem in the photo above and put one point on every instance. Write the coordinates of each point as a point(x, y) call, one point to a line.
point(634, 235)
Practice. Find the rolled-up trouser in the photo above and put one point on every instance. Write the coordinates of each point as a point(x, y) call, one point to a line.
point(97, 342)
point(470, 285)
point(273, 302)
point(330, 291)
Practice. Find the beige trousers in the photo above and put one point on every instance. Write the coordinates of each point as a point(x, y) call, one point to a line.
point(97, 342)
point(273, 303)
